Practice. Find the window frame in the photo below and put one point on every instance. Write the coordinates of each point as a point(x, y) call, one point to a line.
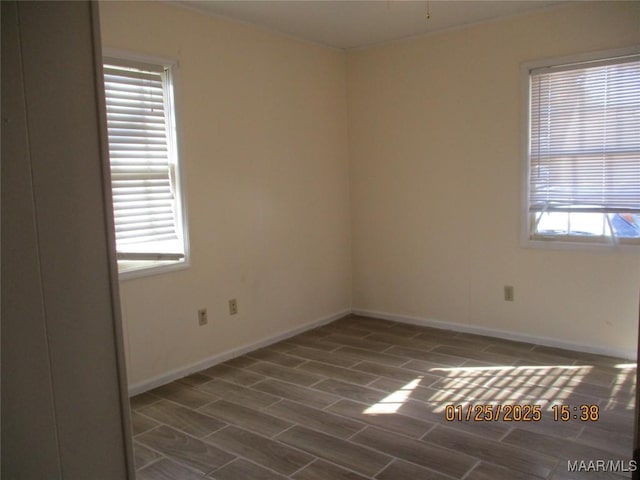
point(131, 269)
point(558, 242)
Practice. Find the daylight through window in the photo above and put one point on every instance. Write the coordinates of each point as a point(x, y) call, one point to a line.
point(584, 152)
point(144, 175)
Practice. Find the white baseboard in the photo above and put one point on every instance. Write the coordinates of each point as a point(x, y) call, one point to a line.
point(494, 332)
point(177, 373)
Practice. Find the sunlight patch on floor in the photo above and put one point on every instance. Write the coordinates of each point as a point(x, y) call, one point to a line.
point(391, 403)
point(537, 384)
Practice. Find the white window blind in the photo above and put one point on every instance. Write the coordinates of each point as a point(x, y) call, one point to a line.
point(142, 157)
point(585, 137)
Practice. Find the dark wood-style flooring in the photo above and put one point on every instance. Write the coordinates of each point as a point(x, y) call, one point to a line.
point(362, 398)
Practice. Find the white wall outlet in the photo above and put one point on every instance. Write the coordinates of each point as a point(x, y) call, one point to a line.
point(202, 317)
point(508, 293)
point(233, 306)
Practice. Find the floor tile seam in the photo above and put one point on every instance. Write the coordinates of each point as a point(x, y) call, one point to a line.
point(561, 456)
point(401, 434)
point(182, 427)
point(419, 372)
point(559, 469)
point(389, 347)
point(629, 454)
point(344, 417)
point(350, 437)
point(277, 398)
point(469, 358)
point(316, 457)
point(384, 393)
point(340, 399)
point(242, 369)
point(252, 430)
point(293, 474)
point(553, 469)
point(307, 360)
point(468, 472)
point(360, 335)
point(484, 385)
point(404, 365)
point(193, 437)
point(485, 460)
point(265, 467)
point(562, 389)
point(271, 377)
point(518, 346)
point(147, 417)
point(549, 360)
point(160, 424)
point(266, 360)
point(506, 434)
point(369, 360)
point(413, 336)
point(400, 459)
point(216, 398)
point(153, 461)
point(598, 449)
point(375, 475)
point(493, 464)
point(342, 344)
point(442, 365)
point(409, 371)
point(319, 349)
point(264, 407)
point(412, 347)
point(344, 368)
point(158, 398)
point(218, 418)
point(270, 438)
point(516, 447)
point(599, 385)
point(331, 462)
point(355, 444)
point(183, 463)
point(235, 457)
point(470, 383)
point(367, 424)
point(309, 387)
point(456, 430)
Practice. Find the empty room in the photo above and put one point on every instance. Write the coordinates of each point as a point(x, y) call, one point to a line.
point(347, 240)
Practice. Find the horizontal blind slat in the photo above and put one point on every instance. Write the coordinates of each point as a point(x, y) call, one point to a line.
point(585, 137)
point(143, 198)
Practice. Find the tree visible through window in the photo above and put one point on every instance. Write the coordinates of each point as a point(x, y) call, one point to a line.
point(143, 157)
point(584, 152)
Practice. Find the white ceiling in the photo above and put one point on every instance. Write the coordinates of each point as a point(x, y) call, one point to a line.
point(349, 24)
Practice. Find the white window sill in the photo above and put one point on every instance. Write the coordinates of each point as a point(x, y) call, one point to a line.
point(580, 245)
point(130, 269)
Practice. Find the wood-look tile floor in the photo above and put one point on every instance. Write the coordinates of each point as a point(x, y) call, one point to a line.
point(362, 398)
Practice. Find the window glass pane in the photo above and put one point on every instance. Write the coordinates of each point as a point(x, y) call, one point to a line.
point(145, 187)
point(584, 150)
point(622, 225)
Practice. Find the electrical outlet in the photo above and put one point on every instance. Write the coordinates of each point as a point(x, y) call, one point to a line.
point(202, 317)
point(233, 306)
point(508, 293)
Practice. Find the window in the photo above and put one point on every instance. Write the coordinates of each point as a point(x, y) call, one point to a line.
point(147, 204)
point(583, 169)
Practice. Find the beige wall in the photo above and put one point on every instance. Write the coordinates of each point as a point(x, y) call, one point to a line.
point(425, 189)
point(435, 152)
point(263, 143)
